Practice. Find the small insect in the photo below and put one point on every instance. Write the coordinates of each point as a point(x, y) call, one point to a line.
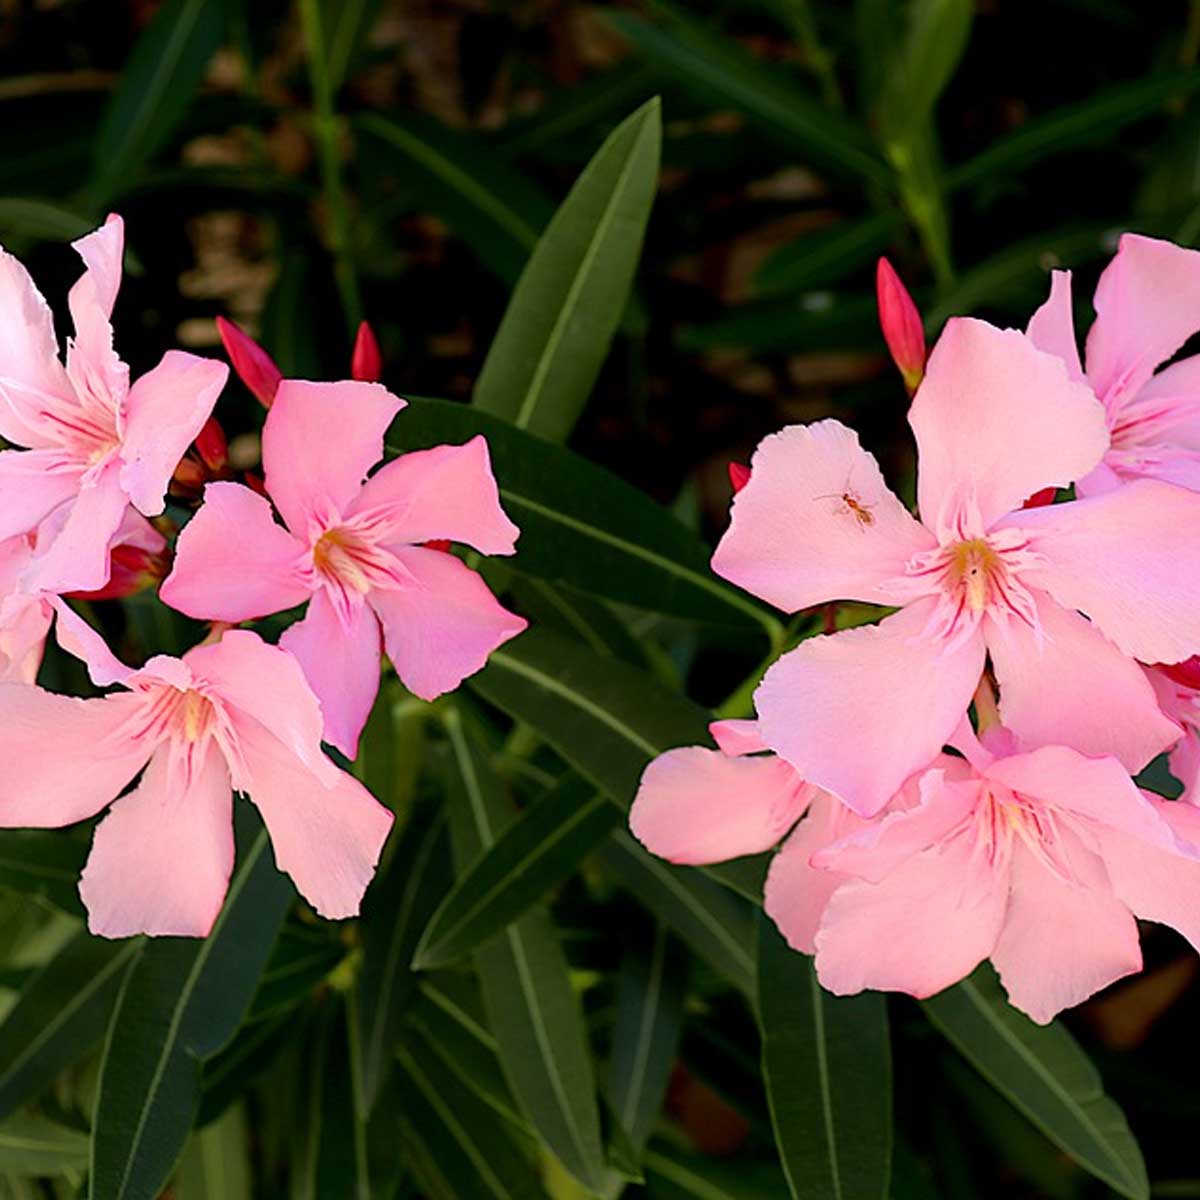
point(851, 505)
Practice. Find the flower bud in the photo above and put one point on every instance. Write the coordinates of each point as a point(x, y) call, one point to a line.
point(442, 544)
point(254, 366)
point(1186, 673)
point(739, 476)
point(134, 569)
point(212, 447)
point(366, 363)
point(1041, 499)
point(901, 324)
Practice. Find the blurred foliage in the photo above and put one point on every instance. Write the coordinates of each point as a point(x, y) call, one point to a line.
point(575, 1017)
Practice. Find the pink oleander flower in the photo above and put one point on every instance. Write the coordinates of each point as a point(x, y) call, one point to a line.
point(996, 420)
point(236, 715)
point(1147, 306)
point(1178, 691)
point(354, 551)
point(96, 443)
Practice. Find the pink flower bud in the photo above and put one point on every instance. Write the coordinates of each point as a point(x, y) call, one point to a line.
point(212, 447)
point(366, 363)
point(254, 366)
point(901, 324)
point(1041, 499)
point(739, 476)
point(442, 544)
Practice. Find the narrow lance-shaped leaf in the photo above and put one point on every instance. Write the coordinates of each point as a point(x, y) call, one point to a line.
point(35, 1145)
point(561, 319)
point(46, 863)
point(828, 1070)
point(1042, 1071)
point(182, 1001)
point(540, 849)
point(216, 1164)
point(532, 1009)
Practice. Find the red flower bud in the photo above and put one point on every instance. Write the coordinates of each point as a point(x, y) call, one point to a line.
point(739, 476)
point(442, 544)
point(1041, 499)
point(212, 447)
point(255, 484)
point(134, 569)
point(1186, 672)
point(366, 363)
point(254, 366)
point(189, 477)
point(901, 324)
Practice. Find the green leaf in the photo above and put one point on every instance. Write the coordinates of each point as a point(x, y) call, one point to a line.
point(827, 1064)
point(561, 319)
point(1045, 1074)
point(651, 989)
point(346, 24)
point(302, 958)
point(826, 256)
point(582, 526)
point(717, 69)
point(605, 717)
point(397, 909)
point(532, 1009)
point(672, 1174)
point(60, 1016)
point(216, 1163)
point(539, 850)
point(483, 198)
point(808, 322)
point(183, 999)
point(43, 863)
point(34, 1145)
point(577, 615)
point(716, 924)
point(40, 220)
point(156, 87)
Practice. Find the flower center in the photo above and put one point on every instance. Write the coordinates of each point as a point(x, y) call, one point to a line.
point(343, 558)
point(194, 717)
point(975, 570)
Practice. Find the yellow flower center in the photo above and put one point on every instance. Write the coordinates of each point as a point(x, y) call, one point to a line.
point(971, 567)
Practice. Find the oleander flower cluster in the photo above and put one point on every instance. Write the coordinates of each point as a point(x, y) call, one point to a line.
point(366, 549)
point(954, 782)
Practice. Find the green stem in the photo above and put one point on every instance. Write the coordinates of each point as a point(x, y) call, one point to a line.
point(325, 127)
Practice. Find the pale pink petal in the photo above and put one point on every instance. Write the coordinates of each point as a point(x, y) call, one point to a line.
point(1147, 306)
point(796, 892)
point(1052, 327)
point(93, 365)
point(165, 410)
point(1073, 687)
point(34, 483)
point(267, 684)
point(76, 558)
point(341, 666)
point(319, 442)
point(927, 925)
point(233, 562)
point(79, 639)
point(161, 858)
point(816, 522)
point(857, 712)
point(1184, 762)
point(441, 629)
point(736, 737)
point(326, 835)
point(447, 493)
point(700, 806)
point(64, 758)
point(1170, 464)
point(1062, 941)
point(997, 420)
point(1123, 560)
point(103, 251)
point(24, 623)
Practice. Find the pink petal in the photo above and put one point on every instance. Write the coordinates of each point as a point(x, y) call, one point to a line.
point(997, 420)
point(737, 737)
point(446, 493)
point(796, 892)
point(161, 859)
point(79, 639)
point(34, 483)
point(699, 806)
point(266, 684)
point(64, 758)
point(1061, 941)
point(91, 358)
point(233, 562)
point(326, 835)
point(816, 522)
point(859, 711)
point(1052, 327)
point(927, 925)
point(340, 664)
point(1121, 560)
point(103, 252)
point(167, 407)
point(1147, 306)
point(76, 558)
point(24, 623)
point(1073, 687)
point(443, 629)
point(319, 442)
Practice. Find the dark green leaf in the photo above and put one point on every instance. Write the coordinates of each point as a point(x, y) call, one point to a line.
point(672, 1174)
point(531, 1006)
point(827, 255)
point(34, 1145)
point(182, 1001)
point(300, 960)
point(577, 615)
point(566, 308)
point(1042, 1071)
point(156, 87)
point(828, 1068)
point(61, 1014)
point(582, 526)
point(43, 863)
point(216, 1164)
point(540, 849)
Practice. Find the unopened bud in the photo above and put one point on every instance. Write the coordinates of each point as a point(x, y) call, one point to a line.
point(901, 324)
point(254, 366)
point(1041, 499)
point(212, 447)
point(366, 363)
point(442, 544)
point(133, 570)
point(1186, 673)
point(189, 477)
point(739, 476)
